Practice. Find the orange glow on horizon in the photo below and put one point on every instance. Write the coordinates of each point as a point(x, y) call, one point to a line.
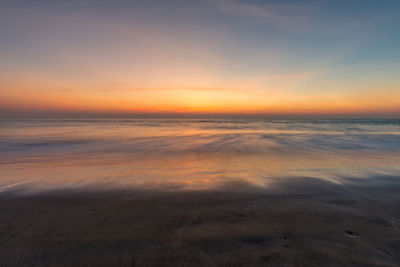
point(270, 94)
point(191, 103)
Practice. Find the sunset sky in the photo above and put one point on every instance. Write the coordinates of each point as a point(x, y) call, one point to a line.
point(199, 57)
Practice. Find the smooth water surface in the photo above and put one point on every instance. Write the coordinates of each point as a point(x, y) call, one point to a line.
point(192, 153)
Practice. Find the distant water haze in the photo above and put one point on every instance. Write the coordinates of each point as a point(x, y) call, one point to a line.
point(192, 154)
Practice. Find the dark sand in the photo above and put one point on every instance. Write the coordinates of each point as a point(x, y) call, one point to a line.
point(296, 222)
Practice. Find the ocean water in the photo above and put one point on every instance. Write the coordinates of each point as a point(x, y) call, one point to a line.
point(192, 154)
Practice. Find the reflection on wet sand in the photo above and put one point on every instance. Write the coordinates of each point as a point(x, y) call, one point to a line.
point(192, 154)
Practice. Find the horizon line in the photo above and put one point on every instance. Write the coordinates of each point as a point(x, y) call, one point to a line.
point(71, 114)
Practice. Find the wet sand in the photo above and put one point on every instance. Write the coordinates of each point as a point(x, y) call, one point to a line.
point(293, 222)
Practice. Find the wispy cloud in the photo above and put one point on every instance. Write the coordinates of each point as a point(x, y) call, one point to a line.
point(234, 7)
point(292, 16)
point(310, 16)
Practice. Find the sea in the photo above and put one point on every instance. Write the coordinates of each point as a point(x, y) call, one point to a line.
point(193, 154)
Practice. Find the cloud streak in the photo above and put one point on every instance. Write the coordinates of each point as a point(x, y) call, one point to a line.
point(293, 17)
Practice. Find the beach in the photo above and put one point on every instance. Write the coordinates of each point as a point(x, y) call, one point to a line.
point(200, 193)
point(303, 222)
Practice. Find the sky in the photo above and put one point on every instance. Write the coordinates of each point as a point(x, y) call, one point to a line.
point(158, 57)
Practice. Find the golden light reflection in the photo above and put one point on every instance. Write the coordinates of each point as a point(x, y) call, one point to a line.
point(191, 154)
